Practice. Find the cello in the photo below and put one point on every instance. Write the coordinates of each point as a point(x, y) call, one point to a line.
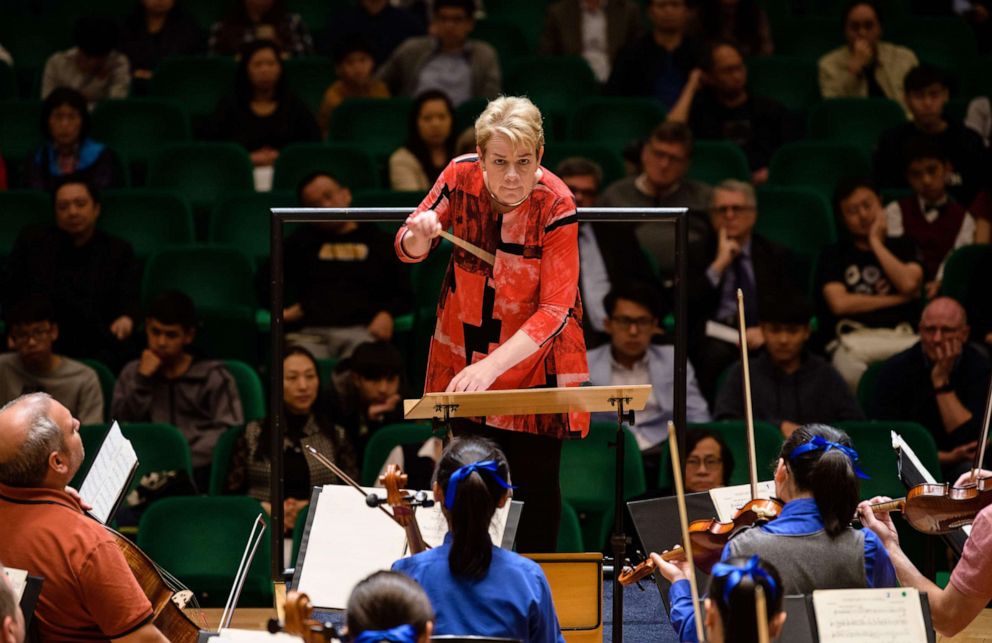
point(162, 591)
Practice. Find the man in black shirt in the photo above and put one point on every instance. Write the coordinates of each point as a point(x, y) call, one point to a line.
point(716, 105)
point(348, 284)
point(927, 93)
point(867, 276)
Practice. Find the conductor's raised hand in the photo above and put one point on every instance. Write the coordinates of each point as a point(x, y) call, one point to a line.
point(474, 377)
point(424, 225)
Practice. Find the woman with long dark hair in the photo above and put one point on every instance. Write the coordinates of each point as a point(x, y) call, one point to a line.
point(68, 148)
point(477, 588)
point(812, 541)
point(388, 606)
point(308, 420)
point(155, 30)
point(430, 143)
point(263, 115)
point(251, 20)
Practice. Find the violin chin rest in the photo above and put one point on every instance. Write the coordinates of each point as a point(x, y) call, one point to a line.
point(182, 599)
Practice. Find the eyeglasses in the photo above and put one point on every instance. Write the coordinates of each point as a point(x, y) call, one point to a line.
point(709, 462)
point(642, 323)
point(724, 210)
point(944, 330)
point(23, 336)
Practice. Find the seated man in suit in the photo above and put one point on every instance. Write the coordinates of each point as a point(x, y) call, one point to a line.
point(739, 259)
point(634, 310)
point(89, 591)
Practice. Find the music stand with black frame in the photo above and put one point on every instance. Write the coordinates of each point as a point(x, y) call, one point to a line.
point(619, 539)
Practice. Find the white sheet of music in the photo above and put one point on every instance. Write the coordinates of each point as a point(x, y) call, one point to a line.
point(886, 615)
point(19, 579)
point(728, 500)
point(347, 542)
point(433, 526)
point(109, 475)
point(251, 636)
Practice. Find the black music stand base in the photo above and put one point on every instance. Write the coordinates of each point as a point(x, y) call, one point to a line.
point(619, 539)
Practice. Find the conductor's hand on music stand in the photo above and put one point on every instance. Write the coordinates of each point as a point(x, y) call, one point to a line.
point(474, 377)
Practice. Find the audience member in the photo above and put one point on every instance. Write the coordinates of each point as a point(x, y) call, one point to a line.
point(735, 258)
point(927, 91)
point(717, 105)
point(866, 66)
point(156, 30)
point(35, 367)
point(11, 618)
point(658, 64)
point(978, 117)
point(930, 218)
point(94, 67)
point(169, 384)
point(630, 358)
point(349, 259)
point(665, 159)
point(388, 606)
point(353, 65)
point(939, 382)
point(307, 419)
point(367, 391)
point(263, 115)
point(430, 143)
point(446, 60)
point(90, 592)
point(604, 249)
point(741, 22)
point(90, 276)
point(593, 29)
point(709, 463)
point(379, 22)
point(789, 385)
point(866, 276)
point(68, 148)
point(251, 20)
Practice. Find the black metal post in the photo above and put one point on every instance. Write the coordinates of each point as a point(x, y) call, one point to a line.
point(275, 398)
point(619, 538)
point(681, 329)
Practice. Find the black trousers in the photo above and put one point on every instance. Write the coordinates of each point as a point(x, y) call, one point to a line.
point(535, 461)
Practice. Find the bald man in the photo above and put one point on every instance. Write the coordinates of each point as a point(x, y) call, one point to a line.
point(940, 382)
point(89, 591)
point(11, 618)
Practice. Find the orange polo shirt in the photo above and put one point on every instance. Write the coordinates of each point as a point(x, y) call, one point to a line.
point(89, 592)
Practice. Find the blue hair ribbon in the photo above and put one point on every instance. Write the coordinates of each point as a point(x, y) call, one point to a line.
point(735, 575)
point(818, 442)
point(482, 466)
point(399, 634)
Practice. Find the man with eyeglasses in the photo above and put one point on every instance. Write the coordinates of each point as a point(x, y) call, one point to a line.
point(737, 259)
point(940, 382)
point(634, 311)
point(604, 248)
point(34, 367)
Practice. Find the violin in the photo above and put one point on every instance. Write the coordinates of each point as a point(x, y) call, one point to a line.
point(394, 480)
point(941, 508)
point(169, 616)
point(300, 621)
point(645, 568)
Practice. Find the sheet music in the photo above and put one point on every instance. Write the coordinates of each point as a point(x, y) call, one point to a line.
point(251, 636)
point(347, 542)
point(888, 615)
point(19, 579)
point(433, 526)
point(727, 500)
point(109, 475)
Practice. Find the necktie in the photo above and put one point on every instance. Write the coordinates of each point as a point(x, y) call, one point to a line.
point(745, 282)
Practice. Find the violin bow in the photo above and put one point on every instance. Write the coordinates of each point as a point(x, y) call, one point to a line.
point(684, 522)
point(761, 613)
point(746, 383)
point(983, 441)
point(321, 458)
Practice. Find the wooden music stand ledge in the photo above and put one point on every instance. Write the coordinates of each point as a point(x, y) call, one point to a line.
point(623, 400)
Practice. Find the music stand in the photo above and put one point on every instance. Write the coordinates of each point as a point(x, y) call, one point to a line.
point(623, 400)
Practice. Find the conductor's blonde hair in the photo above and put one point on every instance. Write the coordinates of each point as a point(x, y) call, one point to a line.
point(515, 118)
